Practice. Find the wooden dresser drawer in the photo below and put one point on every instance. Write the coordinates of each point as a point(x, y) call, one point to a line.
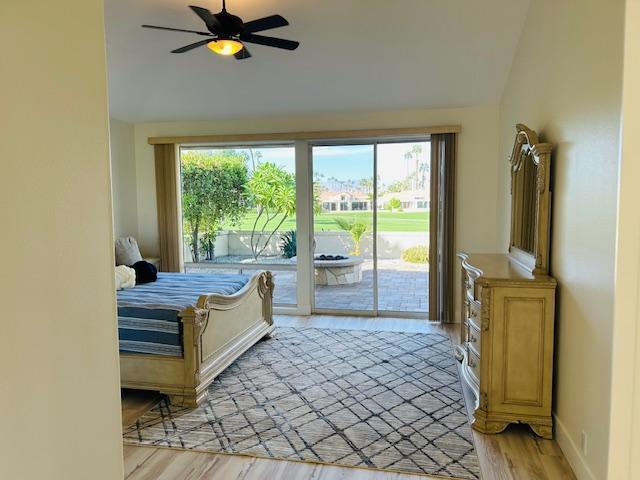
point(473, 360)
point(473, 315)
point(473, 289)
point(474, 338)
point(469, 284)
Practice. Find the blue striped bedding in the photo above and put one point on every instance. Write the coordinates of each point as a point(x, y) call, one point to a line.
point(148, 314)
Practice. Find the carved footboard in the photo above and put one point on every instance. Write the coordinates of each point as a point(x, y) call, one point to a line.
point(216, 331)
point(220, 329)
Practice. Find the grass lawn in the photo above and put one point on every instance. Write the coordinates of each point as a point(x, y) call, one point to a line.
point(387, 221)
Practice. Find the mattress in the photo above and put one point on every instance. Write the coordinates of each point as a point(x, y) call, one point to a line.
point(149, 314)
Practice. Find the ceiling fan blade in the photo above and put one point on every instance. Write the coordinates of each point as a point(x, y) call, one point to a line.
point(176, 30)
point(242, 54)
point(266, 23)
point(269, 41)
point(206, 16)
point(191, 46)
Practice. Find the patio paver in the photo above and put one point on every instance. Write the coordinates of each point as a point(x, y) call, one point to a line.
point(402, 287)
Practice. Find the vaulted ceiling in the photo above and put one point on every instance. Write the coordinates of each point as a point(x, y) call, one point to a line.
point(355, 55)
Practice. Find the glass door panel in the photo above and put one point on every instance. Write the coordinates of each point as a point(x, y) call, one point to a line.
point(403, 195)
point(238, 212)
point(343, 204)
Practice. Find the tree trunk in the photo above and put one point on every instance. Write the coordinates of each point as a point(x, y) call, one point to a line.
point(194, 243)
point(256, 255)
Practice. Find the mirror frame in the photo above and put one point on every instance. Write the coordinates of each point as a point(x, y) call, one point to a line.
point(528, 146)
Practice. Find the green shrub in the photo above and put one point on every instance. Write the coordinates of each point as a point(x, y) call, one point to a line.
point(395, 203)
point(417, 254)
point(289, 244)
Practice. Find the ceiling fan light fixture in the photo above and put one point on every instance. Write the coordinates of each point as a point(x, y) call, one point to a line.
point(225, 46)
point(226, 34)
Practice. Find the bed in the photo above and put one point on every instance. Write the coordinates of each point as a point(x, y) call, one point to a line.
point(178, 333)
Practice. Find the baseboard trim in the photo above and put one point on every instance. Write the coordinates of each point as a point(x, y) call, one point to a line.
point(572, 452)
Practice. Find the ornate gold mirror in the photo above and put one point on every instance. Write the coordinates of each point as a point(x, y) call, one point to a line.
point(530, 201)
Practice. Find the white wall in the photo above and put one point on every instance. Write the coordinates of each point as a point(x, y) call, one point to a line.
point(59, 377)
point(566, 83)
point(477, 228)
point(391, 245)
point(123, 172)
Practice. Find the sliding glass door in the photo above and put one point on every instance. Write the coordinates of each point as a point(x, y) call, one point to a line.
point(344, 227)
point(343, 220)
point(239, 212)
point(371, 228)
point(403, 227)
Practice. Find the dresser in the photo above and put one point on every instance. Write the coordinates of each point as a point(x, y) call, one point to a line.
point(506, 350)
point(508, 305)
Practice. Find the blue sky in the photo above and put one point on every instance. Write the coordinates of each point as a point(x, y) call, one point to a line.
point(344, 162)
point(350, 162)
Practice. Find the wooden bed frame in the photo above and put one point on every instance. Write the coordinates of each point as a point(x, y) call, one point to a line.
point(215, 332)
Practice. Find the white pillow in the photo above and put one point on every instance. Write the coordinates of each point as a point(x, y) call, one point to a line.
point(127, 251)
point(125, 277)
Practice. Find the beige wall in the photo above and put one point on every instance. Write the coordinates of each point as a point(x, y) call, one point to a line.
point(59, 380)
point(123, 171)
point(477, 172)
point(566, 83)
point(624, 445)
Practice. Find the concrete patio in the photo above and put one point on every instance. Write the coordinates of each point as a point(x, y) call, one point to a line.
point(402, 287)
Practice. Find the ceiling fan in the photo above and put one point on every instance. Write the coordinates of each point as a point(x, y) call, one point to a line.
point(227, 33)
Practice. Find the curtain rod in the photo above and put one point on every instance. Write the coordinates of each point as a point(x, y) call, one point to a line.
point(317, 135)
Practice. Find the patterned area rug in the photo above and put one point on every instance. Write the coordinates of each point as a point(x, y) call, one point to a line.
point(382, 400)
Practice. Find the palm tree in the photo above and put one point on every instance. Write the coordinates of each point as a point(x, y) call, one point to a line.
point(255, 159)
point(424, 173)
point(366, 184)
point(356, 229)
point(414, 154)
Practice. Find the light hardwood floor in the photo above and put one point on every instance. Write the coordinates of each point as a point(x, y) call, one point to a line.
point(516, 454)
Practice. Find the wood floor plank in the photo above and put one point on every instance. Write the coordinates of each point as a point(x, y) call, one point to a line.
point(146, 463)
point(135, 457)
point(135, 403)
point(516, 454)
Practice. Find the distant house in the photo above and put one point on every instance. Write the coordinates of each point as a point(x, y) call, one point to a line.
point(345, 201)
point(409, 199)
